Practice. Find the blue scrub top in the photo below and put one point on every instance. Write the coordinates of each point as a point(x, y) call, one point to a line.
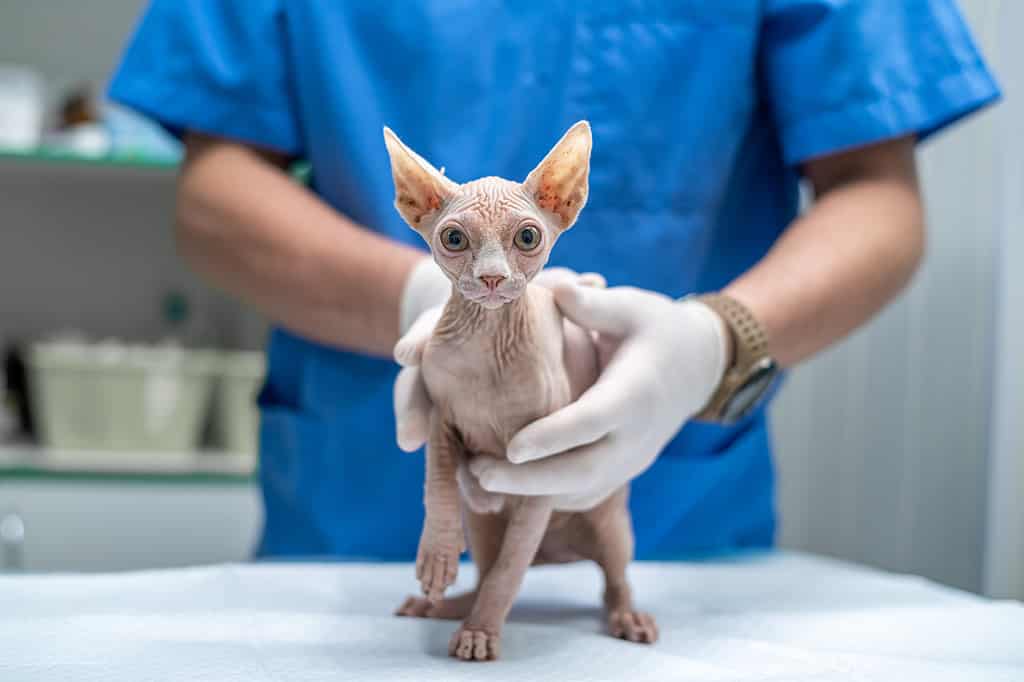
point(702, 113)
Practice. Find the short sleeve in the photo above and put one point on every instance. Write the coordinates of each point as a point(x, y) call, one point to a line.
point(839, 74)
point(214, 67)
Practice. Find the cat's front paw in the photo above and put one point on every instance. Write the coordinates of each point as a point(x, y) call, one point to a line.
point(437, 562)
point(436, 570)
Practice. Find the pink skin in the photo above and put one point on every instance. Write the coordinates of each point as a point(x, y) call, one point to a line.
point(500, 357)
point(491, 270)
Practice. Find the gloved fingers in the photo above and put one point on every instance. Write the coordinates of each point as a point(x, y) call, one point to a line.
point(427, 286)
point(578, 471)
point(412, 409)
point(592, 279)
point(409, 349)
point(609, 311)
point(598, 412)
point(550, 277)
point(575, 424)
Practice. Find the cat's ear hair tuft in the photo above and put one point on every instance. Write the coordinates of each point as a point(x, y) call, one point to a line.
point(420, 189)
point(559, 184)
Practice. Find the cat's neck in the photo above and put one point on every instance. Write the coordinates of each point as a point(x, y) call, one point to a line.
point(463, 318)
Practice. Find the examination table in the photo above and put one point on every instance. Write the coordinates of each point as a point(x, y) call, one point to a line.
point(774, 616)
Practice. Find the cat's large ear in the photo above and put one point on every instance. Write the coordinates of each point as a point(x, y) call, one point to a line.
point(420, 189)
point(559, 183)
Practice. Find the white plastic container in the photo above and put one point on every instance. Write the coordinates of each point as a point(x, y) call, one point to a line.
point(21, 108)
point(236, 418)
point(113, 397)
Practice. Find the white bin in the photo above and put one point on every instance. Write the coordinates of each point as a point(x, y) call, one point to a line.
point(235, 414)
point(111, 397)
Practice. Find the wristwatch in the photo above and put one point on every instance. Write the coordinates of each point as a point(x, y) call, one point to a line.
point(752, 372)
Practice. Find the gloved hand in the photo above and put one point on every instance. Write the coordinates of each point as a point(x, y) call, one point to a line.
point(661, 362)
point(426, 288)
point(412, 404)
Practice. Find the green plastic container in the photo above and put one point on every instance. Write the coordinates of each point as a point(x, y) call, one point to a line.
point(111, 397)
point(236, 419)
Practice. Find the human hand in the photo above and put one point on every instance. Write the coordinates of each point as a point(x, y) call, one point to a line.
point(426, 288)
point(412, 404)
point(661, 362)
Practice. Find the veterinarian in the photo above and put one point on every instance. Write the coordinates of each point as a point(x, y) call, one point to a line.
point(705, 115)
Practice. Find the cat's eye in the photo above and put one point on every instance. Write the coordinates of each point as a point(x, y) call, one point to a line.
point(454, 239)
point(527, 238)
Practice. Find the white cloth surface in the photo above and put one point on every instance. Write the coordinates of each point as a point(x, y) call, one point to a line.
point(779, 617)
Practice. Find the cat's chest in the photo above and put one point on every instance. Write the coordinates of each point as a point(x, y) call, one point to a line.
point(489, 390)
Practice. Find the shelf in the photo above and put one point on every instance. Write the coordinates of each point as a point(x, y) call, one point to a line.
point(300, 170)
point(51, 156)
point(34, 462)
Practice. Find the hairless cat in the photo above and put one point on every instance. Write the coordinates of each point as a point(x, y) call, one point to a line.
point(500, 357)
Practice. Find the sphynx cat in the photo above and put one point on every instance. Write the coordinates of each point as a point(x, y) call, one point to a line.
point(500, 357)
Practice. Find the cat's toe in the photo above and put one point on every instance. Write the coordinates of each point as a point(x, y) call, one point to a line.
point(436, 570)
point(474, 644)
point(452, 608)
point(634, 626)
point(413, 607)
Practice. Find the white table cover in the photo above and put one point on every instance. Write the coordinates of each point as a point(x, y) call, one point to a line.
point(779, 616)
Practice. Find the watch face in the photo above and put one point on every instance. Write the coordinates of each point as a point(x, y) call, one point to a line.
point(749, 394)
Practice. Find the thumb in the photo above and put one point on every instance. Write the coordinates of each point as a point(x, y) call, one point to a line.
point(608, 311)
point(412, 409)
point(409, 350)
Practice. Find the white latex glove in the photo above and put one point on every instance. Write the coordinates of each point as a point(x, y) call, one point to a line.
point(426, 288)
point(412, 404)
point(661, 362)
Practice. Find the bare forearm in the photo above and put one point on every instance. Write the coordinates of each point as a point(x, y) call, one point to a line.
point(246, 227)
point(841, 262)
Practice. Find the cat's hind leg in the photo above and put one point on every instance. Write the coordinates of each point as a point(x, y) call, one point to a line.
point(478, 639)
point(613, 550)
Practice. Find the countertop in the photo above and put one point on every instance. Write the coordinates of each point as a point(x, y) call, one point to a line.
point(33, 462)
point(777, 616)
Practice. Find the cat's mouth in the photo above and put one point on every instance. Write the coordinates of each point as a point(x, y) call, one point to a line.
point(491, 299)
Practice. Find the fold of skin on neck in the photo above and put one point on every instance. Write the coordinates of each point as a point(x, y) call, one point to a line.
point(506, 331)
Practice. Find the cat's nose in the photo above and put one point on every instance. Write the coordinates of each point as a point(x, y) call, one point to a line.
point(492, 281)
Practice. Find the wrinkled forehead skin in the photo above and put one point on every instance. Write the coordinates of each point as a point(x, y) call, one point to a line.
point(557, 187)
point(492, 206)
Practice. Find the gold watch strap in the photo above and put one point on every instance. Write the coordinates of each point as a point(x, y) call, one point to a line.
point(750, 345)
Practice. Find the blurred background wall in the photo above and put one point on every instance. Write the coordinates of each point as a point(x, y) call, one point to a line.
point(886, 446)
point(1004, 558)
point(101, 235)
point(902, 447)
point(68, 41)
